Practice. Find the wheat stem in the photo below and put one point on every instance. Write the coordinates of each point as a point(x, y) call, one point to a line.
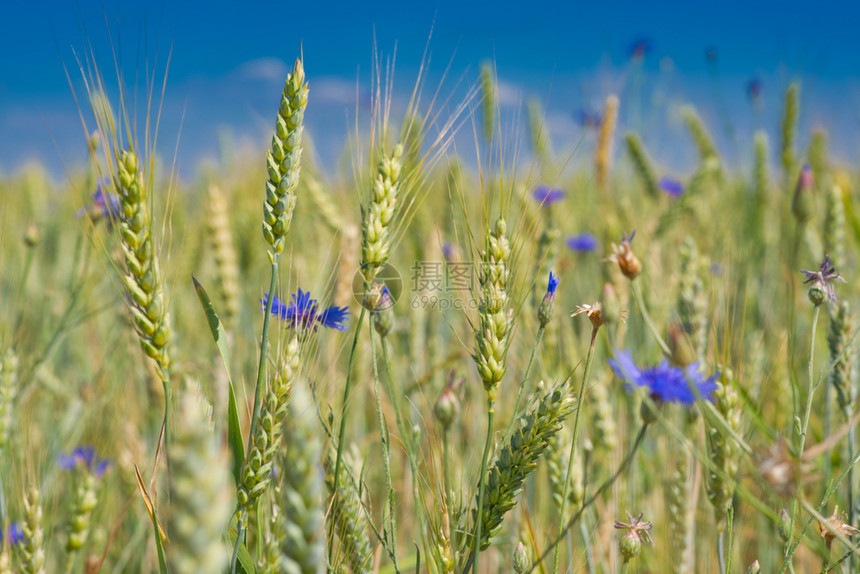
point(585, 375)
point(476, 549)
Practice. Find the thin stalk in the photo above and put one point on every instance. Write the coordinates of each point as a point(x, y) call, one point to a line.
point(806, 413)
point(406, 436)
point(476, 547)
point(852, 511)
point(391, 531)
point(730, 518)
point(343, 412)
point(258, 392)
point(448, 478)
point(523, 381)
point(593, 498)
point(264, 347)
point(721, 551)
point(566, 485)
point(831, 490)
point(393, 396)
point(240, 533)
point(625, 566)
point(640, 302)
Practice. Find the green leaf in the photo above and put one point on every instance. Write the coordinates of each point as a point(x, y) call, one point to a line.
point(246, 563)
point(234, 431)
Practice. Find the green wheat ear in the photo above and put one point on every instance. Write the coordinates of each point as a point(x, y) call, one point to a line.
point(643, 165)
point(143, 280)
point(31, 550)
point(284, 159)
point(8, 390)
point(488, 99)
point(257, 467)
point(346, 514)
point(200, 493)
point(226, 262)
point(517, 460)
point(789, 131)
point(300, 497)
point(378, 216)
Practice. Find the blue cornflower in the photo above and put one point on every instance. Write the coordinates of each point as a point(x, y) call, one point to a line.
point(304, 312)
point(16, 534)
point(582, 243)
point(754, 89)
point(551, 285)
point(546, 196)
point(588, 119)
point(105, 204)
point(545, 309)
point(639, 47)
point(672, 187)
point(823, 279)
point(665, 383)
point(86, 457)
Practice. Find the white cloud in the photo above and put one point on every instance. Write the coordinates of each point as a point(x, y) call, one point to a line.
point(508, 94)
point(333, 90)
point(267, 69)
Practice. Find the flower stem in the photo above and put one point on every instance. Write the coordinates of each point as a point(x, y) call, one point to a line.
point(806, 413)
point(573, 442)
point(640, 302)
point(476, 548)
point(264, 348)
point(343, 412)
point(593, 498)
point(448, 478)
point(523, 381)
point(389, 531)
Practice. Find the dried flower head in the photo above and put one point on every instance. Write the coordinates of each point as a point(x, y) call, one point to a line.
point(836, 523)
point(624, 257)
point(822, 282)
point(596, 315)
point(636, 533)
point(779, 469)
point(593, 312)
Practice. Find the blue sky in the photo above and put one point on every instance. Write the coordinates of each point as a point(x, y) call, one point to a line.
point(229, 60)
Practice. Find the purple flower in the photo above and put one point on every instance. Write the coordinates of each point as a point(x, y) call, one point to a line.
point(754, 89)
point(824, 278)
point(16, 534)
point(304, 312)
point(546, 196)
point(582, 243)
point(711, 54)
point(588, 119)
point(84, 456)
point(551, 285)
point(665, 383)
point(105, 204)
point(672, 187)
point(639, 47)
